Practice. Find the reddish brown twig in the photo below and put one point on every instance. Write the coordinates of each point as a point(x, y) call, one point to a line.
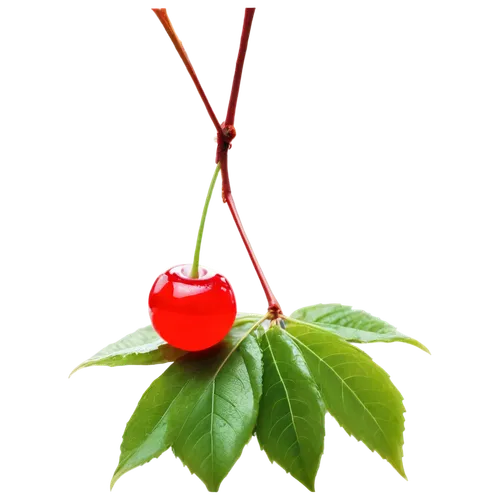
point(225, 134)
point(245, 34)
point(164, 19)
point(224, 143)
point(273, 305)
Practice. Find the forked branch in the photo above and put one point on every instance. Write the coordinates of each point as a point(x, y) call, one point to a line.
point(225, 134)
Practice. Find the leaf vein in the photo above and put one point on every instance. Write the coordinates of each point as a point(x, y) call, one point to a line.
point(284, 386)
point(285, 429)
point(350, 389)
point(229, 402)
point(276, 423)
point(227, 422)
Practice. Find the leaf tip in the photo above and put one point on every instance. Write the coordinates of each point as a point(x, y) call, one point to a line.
point(425, 349)
point(311, 488)
point(71, 373)
point(212, 488)
point(404, 476)
point(77, 369)
point(401, 471)
point(112, 483)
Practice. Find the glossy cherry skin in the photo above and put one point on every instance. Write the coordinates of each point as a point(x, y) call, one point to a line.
point(192, 314)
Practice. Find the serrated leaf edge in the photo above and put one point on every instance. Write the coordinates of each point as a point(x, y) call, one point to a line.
point(112, 482)
point(404, 477)
point(331, 329)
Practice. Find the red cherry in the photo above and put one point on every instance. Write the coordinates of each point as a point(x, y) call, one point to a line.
point(192, 314)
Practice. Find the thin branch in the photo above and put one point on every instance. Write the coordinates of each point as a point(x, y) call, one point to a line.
point(224, 141)
point(272, 300)
point(245, 34)
point(163, 17)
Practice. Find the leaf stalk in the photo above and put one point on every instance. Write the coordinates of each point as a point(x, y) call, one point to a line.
point(196, 259)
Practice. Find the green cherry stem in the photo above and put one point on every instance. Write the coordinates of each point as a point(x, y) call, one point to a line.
point(196, 259)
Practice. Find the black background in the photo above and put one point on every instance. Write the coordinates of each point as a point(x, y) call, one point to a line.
point(336, 141)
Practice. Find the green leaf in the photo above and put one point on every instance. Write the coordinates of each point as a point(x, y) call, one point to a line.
point(250, 317)
point(204, 406)
point(144, 347)
point(291, 425)
point(353, 325)
point(246, 317)
point(356, 391)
